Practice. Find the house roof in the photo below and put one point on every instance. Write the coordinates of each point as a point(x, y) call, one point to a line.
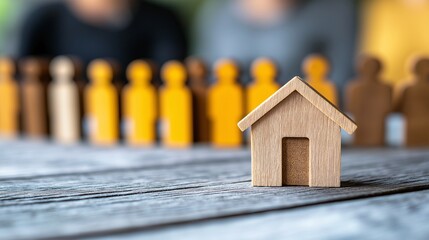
point(297, 84)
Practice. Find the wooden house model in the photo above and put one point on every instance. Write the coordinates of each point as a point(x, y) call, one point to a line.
point(296, 138)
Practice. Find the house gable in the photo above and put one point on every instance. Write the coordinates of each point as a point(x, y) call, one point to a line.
point(311, 95)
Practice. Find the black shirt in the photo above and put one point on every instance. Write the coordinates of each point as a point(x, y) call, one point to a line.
point(152, 33)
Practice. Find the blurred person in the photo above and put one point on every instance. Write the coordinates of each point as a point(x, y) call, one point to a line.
point(124, 30)
point(396, 32)
point(283, 30)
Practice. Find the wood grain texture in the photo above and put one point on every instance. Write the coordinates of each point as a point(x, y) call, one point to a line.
point(287, 119)
point(360, 219)
point(117, 201)
point(29, 159)
point(296, 111)
point(298, 85)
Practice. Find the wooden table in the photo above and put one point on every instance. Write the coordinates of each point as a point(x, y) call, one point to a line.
point(49, 191)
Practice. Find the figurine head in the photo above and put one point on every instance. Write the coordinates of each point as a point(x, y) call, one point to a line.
point(226, 71)
point(139, 72)
point(369, 66)
point(174, 73)
point(421, 68)
point(100, 71)
point(264, 70)
point(34, 69)
point(315, 67)
point(197, 70)
point(7, 68)
point(62, 69)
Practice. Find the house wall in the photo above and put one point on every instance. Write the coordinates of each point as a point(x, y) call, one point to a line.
point(296, 117)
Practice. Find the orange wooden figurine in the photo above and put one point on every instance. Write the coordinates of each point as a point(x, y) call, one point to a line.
point(226, 107)
point(414, 104)
point(9, 104)
point(176, 107)
point(198, 84)
point(316, 69)
point(139, 105)
point(370, 101)
point(101, 101)
point(264, 74)
point(34, 99)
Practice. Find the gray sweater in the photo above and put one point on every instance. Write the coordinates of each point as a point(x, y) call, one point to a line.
point(322, 26)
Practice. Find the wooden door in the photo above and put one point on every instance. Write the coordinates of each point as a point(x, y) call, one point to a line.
point(295, 161)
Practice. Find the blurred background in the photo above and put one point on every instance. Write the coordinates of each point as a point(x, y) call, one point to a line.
point(284, 30)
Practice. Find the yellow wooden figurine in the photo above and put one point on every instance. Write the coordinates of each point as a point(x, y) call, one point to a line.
point(101, 103)
point(9, 104)
point(226, 106)
point(264, 73)
point(316, 69)
point(139, 105)
point(176, 107)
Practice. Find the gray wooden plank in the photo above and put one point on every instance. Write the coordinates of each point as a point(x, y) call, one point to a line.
point(127, 182)
point(120, 182)
point(365, 174)
point(399, 216)
point(26, 158)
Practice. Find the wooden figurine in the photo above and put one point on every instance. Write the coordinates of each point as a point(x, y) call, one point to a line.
point(316, 69)
point(414, 104)
point(225, 107)
point(80, 82)
point(296, 138)
point(176, 107)
point(9, 104)
point(264, 74)
point(101, 101)
point(64, 102)
point(411, 79)
point(370, 102)
point(139, 105)
point(34, 99)
point(198, 84)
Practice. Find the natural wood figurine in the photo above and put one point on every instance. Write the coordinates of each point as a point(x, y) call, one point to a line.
point(34, 97)
point(9, 104)
point(198, 85)
point(101, 101)
point(414, 104)
point(264, 73)
point(296, 138)
point(370, 102)
point(176, 106)
point(139, 105)
point(226, 107)
point(64, 102)
point(316, 69)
